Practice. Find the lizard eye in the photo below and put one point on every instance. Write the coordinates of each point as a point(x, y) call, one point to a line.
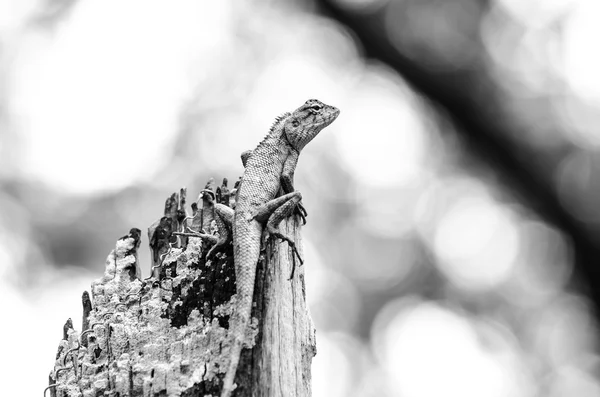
point(316, 107)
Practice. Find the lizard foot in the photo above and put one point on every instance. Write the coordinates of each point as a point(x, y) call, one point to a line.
point(211, 253)
point(219, 247)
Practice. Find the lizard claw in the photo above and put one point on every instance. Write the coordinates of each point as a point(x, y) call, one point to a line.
point(301, 212)
point(292, 245)
point(214, 250)
point(211, 253)
point(219, 245)
point(296, 254)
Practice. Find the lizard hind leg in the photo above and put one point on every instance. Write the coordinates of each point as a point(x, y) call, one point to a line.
point(224, 219)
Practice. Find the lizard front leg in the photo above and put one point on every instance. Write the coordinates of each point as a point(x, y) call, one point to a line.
point(275, 211)
point(287, 178)
point(287, 183)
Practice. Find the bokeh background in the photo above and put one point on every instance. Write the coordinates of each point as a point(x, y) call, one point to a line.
point(453, 237)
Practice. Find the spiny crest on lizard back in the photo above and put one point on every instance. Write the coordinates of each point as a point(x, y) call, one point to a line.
point(307, 121)
point(279, 120)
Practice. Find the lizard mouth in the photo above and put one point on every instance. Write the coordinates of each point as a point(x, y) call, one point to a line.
point(331, 115)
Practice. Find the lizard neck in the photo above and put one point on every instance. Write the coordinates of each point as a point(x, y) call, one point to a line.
point(286, 139)
point(276, 138)
point(274, 145)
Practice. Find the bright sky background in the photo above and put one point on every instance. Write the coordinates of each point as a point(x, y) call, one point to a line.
point(109, 99)
point(582, 61)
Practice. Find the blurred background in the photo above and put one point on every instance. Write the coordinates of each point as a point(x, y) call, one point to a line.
point(453, 237)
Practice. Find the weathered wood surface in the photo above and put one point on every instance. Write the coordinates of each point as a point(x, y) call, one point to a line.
point(170, 337)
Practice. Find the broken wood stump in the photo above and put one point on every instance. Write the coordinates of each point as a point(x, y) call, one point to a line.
point(167, 334)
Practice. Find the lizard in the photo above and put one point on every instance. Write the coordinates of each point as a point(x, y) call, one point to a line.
point(264, 198)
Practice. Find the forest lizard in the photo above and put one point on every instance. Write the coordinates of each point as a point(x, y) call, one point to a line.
point(269, 171)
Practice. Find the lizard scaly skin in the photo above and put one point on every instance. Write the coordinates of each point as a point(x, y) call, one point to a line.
point(269, 169)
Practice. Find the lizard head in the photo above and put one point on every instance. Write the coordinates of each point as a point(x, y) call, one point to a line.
point(307, 121)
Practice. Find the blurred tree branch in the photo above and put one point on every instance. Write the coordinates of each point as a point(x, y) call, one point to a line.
point(471, 100)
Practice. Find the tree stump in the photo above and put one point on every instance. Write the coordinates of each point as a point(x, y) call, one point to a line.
point(167, 335)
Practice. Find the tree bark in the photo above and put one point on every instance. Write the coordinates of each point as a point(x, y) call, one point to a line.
point(168, 335)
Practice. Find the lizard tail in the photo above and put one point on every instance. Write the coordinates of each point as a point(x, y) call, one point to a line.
point(236, 349)
point(238, 326)
point(245, 258)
